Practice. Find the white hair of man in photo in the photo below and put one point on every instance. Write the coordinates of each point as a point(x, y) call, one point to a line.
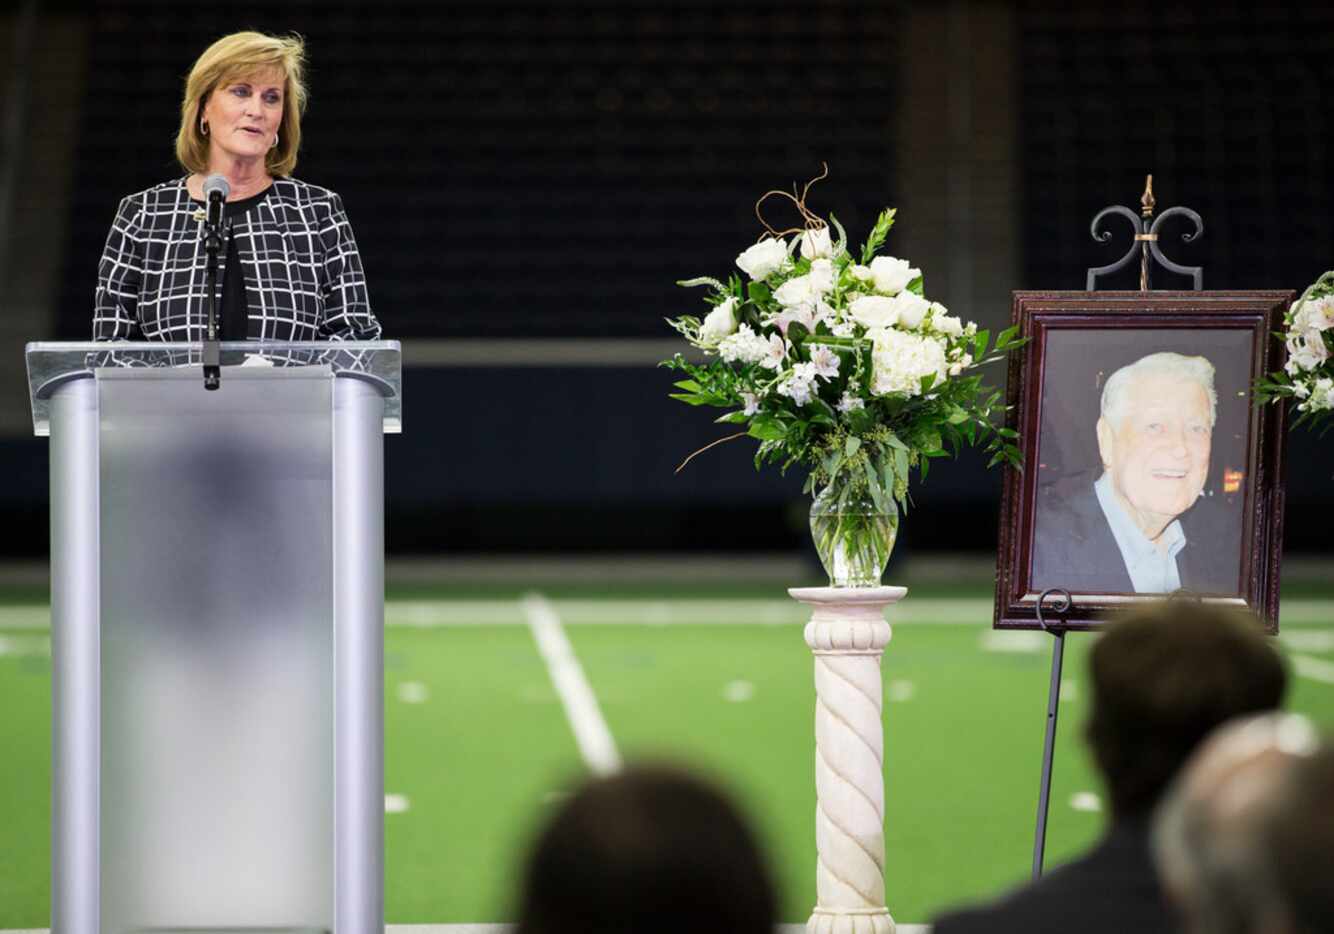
point(1190, 369)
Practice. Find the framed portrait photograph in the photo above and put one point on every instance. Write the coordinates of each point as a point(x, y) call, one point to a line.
point(1148, 468)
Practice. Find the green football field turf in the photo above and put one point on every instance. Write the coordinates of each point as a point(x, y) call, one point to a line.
point(479, 750)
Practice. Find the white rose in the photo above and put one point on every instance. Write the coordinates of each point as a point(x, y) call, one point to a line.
point(874, 311)
point(816, 243)
point(822, 276)
point(719, 324)
point(795, 291)
point(807, 289)
point(892, 275)
point(912, 309)
point(862, 273)
point(763, 259)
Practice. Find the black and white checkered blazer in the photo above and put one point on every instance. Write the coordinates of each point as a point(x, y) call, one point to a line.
point(304, 279)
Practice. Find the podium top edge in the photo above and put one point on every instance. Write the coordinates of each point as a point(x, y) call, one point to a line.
point(249, 346)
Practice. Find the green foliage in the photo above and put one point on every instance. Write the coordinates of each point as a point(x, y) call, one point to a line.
point(845, 434)
point(878, 234)
point(1307, 378)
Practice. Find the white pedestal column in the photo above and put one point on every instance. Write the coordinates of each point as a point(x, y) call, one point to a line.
point(848, 633)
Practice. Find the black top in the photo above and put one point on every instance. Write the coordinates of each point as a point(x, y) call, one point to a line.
point(1111, 890)
point(233, 311)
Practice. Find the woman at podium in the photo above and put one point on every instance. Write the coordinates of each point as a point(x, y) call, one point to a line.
point(288, 267)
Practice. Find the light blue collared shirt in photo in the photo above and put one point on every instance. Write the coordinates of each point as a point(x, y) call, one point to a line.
point(1152, 569)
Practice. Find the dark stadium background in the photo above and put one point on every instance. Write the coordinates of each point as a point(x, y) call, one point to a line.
point(537, 175)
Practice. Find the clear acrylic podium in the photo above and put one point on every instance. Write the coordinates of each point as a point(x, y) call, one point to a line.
point(217, 614)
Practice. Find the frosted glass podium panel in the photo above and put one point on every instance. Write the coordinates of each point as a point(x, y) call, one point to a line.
point(217, 626)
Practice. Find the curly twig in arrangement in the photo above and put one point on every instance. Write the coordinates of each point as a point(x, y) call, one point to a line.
point(811, 220)
point(739, 434)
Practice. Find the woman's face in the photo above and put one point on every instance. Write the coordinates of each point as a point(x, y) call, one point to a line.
point(244, 114)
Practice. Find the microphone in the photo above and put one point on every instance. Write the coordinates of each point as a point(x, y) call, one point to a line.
point(216, 190)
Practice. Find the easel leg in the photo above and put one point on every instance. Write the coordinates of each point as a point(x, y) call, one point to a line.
point(1048, 748)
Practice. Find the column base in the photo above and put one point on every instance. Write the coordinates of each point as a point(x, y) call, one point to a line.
point(850, 921)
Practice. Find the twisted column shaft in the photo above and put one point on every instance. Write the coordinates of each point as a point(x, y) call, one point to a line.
point(848, 633)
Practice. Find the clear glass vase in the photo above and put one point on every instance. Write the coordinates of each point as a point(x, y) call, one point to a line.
point(853, 536)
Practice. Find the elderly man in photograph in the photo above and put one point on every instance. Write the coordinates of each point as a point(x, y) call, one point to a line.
point(1143, 525)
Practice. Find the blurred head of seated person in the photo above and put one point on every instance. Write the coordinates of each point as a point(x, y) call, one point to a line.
point(1244, 840)
point(1160, 680)
point(240, 118)
point(649, 850)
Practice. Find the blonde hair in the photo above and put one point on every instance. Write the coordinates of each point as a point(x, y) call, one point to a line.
point(235, 56)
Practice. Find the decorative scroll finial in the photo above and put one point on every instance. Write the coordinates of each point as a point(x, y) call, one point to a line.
point(1146, 240)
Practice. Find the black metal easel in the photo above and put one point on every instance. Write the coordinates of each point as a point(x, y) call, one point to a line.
point(1057, 631)
point(1145, 245)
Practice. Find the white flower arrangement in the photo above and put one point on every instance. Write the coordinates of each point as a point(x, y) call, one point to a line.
point(839, 361)
point(1308, 375)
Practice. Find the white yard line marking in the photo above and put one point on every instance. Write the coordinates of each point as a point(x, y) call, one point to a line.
point(1317, 669)
point(396, 804)
point(576, 695)
point(1308, 640)
point(900, 692)
point(431, 614)
point(25, 646)
point(26, 616)
point(413, 692)
point(1017, 641)
point(1085, 801)
point(738, 692)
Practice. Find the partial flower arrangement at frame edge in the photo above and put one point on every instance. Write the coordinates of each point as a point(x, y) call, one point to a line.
point(838, 362)
point(1307, 377)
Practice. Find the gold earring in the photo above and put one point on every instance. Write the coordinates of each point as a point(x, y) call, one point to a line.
point(275, 141)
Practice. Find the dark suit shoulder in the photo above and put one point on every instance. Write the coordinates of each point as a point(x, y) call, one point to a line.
point(1073, 546)
point(1112, 889)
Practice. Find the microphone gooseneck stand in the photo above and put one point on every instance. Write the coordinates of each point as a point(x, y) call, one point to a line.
point(213, 245)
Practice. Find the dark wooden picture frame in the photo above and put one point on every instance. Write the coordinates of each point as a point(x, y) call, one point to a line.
point(1140, 323)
